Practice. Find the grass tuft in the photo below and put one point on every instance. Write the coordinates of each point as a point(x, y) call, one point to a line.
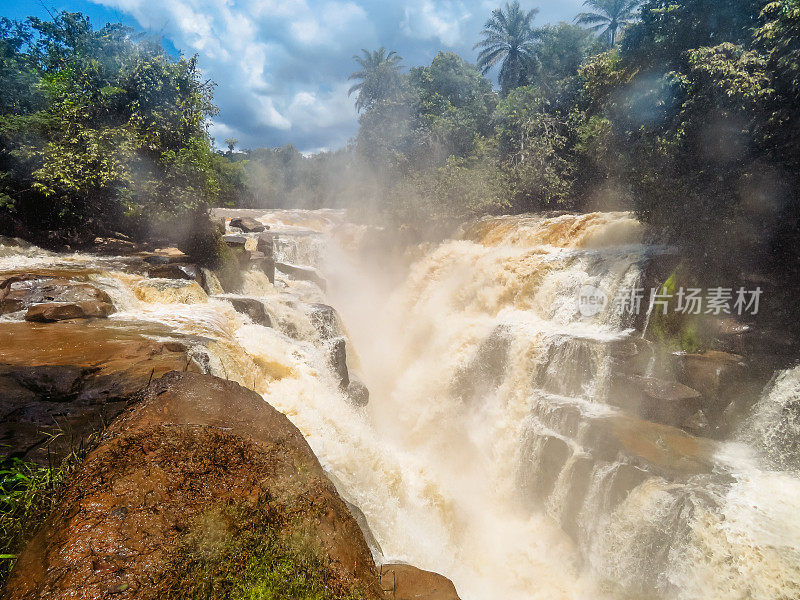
point(28, 493)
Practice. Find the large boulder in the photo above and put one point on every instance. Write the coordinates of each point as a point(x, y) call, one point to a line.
point(654, 399)
point(200, 487)
point(248, 225)
point(338, 359)
point(725, 381)
point(325, 320)
point(357, 393)
point(19, 292)
point(404, 582)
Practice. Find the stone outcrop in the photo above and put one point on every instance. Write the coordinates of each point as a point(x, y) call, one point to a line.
point(404, 582)
point(658, 400)
point(49, 312)
point(198, 468)
point(338, 360)
point(357, 392)
point(325, 320)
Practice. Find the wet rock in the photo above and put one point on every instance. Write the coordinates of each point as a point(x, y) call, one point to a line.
point(248, 225)
point(404, 582)
point(60, 384)
point(23, 291)
point(50, 312)
point(578, 474)
point(723, 379)
point(253, 308)
point(357, 392)
point(325, 320)
point(625, 479)
point(265, 243)
point(176, 271)
point(197, 458)
point(261, 262)
point(338, 359)
point(302, 274)
point(668, 451)
point(666, 402)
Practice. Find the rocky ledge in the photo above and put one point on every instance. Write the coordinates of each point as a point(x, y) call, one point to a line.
point(201, 489)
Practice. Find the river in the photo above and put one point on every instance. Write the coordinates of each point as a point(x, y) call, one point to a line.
point(493, 450)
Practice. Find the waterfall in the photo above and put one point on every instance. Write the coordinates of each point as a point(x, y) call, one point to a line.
point(496, 448)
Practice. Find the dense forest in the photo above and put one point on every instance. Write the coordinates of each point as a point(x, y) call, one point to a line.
point(685, 111)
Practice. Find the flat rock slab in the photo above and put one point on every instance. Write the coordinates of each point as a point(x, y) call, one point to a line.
point(61, 382)
point(49, 312)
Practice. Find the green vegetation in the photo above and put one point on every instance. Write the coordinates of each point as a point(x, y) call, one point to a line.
point(28, 492)
point(101, 131)
point(233, 552)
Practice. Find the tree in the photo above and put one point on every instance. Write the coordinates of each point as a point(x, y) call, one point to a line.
point(379, 75)
point(231, 143)
point(563, 49)
point(100, 130)
point(610, 17)
point(453, 103)
point(509, 39)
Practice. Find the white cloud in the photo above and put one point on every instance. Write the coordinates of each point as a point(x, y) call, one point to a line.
point(441, 21)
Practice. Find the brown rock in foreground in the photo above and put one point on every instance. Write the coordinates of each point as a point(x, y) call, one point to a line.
point(404, 582)
point(61, 382)
point(165, 483)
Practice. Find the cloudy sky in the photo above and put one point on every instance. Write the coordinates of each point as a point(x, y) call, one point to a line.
point(281, 65)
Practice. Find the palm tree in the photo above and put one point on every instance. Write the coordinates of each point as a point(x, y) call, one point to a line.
point(509, 37)
point(610, 18)
point(379, 75)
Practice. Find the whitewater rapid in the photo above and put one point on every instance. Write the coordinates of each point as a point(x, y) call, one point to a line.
point(478, 454)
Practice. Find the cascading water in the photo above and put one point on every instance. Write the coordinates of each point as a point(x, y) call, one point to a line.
point(492, 449)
